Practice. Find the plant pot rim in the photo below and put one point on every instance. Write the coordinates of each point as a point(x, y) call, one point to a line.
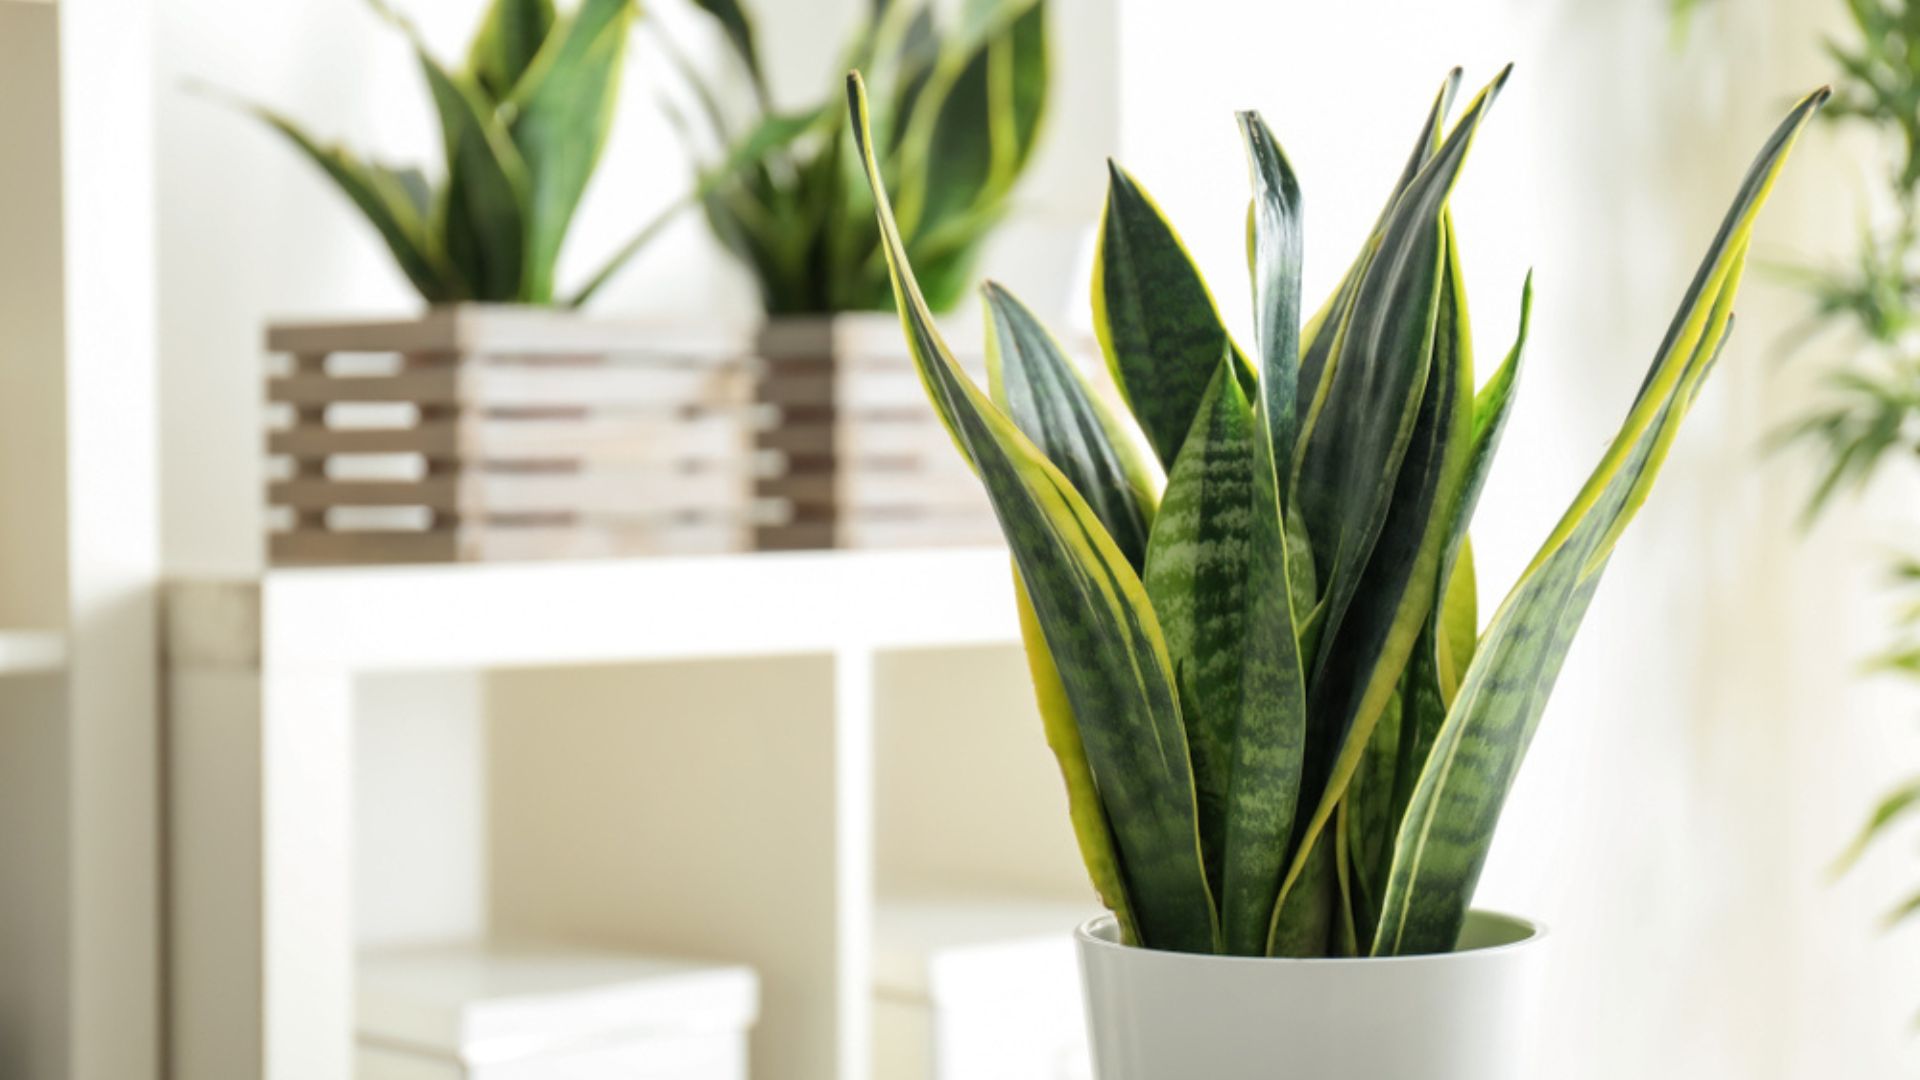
point(1102, 933)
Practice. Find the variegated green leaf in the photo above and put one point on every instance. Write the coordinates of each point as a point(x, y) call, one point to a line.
point(1269, 740)
point(1195, 577)
point(1322, 330)
point(561, 112)
point(1090, 828)
point(509, 37)
point(1155, 319)
point(1303, 924)
point(1377, 378)
point(1368, 650)
point(1277, 256)
point(1093, 614)
point(1443, 841)
point(1446, 643)
point(1034, 383)
point(484, 212)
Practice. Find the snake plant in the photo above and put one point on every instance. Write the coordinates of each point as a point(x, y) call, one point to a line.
point(959, 112)
point(1282, 729)
point(523, 124)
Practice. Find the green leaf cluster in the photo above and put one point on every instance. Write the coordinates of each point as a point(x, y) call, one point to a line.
point(1249, 599)
point(959, 109)
point(523, 124)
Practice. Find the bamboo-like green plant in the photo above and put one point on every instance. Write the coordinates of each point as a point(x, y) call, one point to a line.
point(960, 111)
point(523, 124)
point(1871, 411)
point(1279, 729)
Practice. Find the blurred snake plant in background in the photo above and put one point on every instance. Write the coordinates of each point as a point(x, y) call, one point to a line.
point(1279, 729)
point(959, 110)
point(523, 123)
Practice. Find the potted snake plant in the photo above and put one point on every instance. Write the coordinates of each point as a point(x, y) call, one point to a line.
point(500, 423)
point(961, 99)
point(1249, 608)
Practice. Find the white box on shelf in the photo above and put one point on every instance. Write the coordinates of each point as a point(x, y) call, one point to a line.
point(493, 1012)
point(978, 989)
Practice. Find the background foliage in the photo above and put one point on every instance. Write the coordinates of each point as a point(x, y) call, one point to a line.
point(1871, 415)
point(524, 121)
point(958, 109)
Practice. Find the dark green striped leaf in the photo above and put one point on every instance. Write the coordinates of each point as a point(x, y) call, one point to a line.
point(1154, 317)
point(1269, 741)
point(1443, 841)
point(1368, 650)
point(1093, 612)
point(1377, 379)
point(1034, 383)
point(1090, 828)
point(1277, 256)
point(562, 111)
point(1446, 643)
point(1195, 577)
point(1324, 328)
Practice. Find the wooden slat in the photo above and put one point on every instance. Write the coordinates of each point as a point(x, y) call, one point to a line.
point(490, 328)
point(434, 438)
point(423, 386)
point(912, 490)
point(854, 532)
point(713, 438)
point(320, 547)
point(665, 389)
point(435, 493)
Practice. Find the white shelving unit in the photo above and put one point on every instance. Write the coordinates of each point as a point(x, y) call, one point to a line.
point(79, 553)
point(262, 688)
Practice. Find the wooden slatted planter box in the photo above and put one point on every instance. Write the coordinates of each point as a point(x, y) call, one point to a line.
point(489, 433)
point(853, 454)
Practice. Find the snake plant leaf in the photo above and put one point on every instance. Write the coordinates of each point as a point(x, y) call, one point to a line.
point(1443, 841)
point(1269, 739)
point(1032, 381)
point(395, 202)
point(1093, 613)
point(737, 25)
point(509, 37)
point(975, 121)
point(1366, 817)
point(1156, 321)
point(1321, 331)
point(1372, 645)
point(1090, 829)
point(485, 206)
point(1196, 574)
point(561, 113)
point(1277, 258)
point(1377, 378)
point(1303, 923)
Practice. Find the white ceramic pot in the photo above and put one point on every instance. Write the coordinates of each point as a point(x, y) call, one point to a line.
point(1463, 1015)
